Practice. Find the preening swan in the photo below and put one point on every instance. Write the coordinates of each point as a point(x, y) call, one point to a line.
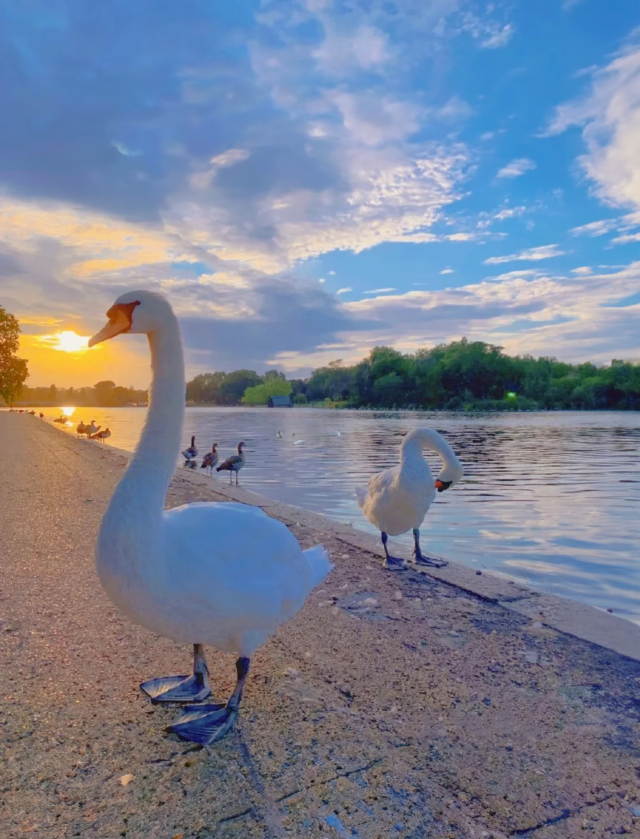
point(164, 570)
point(210, 459)
point(398, 499)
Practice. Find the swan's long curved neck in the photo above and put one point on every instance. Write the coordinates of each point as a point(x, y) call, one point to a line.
point(416, 441)
point(147, 479)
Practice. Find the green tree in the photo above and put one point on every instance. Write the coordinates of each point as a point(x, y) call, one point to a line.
point(13, 370)
point(235, 384)
point(259, 394)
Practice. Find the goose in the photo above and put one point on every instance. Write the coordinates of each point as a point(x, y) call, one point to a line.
point(93, 428)
point(191, 452)
point(101, 435)
point(397, 500)
point(233, 464)
point(61, 419)
point(296, 442)
point(210, 459)
point(162, 568)
point(41, 416)
point(81, 428)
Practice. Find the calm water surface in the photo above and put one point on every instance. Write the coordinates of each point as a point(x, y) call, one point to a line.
point(549, 499)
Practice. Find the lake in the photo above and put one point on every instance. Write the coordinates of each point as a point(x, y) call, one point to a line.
point(548, 499)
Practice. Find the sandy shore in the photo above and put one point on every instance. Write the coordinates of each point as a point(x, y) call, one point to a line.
point(391, 706)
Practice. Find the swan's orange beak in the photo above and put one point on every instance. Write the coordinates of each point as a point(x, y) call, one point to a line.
point(119, 321)
point(442, 485)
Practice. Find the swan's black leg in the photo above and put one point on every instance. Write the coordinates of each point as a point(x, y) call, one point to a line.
point(182, 688)
point(418, 556)
point(391, 563)
point(205, 724)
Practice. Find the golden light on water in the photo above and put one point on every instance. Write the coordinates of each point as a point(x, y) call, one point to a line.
point(67, 341)
point(68, 412)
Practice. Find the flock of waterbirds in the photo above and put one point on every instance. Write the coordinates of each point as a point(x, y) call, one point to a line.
point(161, 567)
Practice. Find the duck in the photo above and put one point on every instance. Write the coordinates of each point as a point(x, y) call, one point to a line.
point(296, 442)
point(161, 567)
point(210, 459)
point(101, 435)
point(234, 463)
point(191, 453)
point(397, 499)
point(92, 429)
point(61, 419)
point(81, 428)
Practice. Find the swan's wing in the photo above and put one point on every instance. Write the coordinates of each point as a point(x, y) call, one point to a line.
point(361, 495)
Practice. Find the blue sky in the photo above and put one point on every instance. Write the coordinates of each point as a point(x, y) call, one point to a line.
point(306, 179)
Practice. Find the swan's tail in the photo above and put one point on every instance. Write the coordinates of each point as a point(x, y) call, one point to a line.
point(361, 493)
point(319, 564)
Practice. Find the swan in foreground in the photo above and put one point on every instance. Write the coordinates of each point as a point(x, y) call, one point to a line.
point(397, 500)
point(163, 569)
point(191, 452)
point(233, 464)
point(101, 435)
point(210, 459)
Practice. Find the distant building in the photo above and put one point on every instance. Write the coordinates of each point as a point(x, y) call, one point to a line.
point(279, 402)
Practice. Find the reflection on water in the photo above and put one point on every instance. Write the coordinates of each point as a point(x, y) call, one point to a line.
point(550, 499)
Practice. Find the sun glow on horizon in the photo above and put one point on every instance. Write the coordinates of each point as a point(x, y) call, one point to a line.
point(67, 341)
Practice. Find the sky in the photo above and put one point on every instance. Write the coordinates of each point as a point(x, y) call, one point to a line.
point(308, 179)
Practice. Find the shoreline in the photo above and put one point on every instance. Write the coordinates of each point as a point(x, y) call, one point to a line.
point(571, 617)
point(410, 706)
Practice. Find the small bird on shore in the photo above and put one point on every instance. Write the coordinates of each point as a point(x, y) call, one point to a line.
point(191, 453)
point(93, 428)
point(210, 459)
point(233, 464)
point(223, 574)
point(397, 500)
point(101, 435)
point(81, 429)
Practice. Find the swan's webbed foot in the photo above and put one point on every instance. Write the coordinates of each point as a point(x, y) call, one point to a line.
point(419, 558)
point(394, 563)
point(205, 724)
point(427, 561)
point(177, 689)
point(391, 563)
point(193, 688)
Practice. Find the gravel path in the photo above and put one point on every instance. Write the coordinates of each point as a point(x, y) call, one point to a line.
point(391, 706)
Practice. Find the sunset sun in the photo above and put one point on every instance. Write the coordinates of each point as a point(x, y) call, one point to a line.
point(67, 341)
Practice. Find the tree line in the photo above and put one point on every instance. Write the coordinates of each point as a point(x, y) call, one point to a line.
point(461, 375)
point(105, 394)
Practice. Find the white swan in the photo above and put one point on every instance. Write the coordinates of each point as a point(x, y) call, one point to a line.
point(297, 442)
point(397, 500)
point(162, 568)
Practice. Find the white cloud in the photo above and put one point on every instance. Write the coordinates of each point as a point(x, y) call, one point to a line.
point(531, 254)
point(609, 115)
point(322, 280)
point(516, 168)
point(595, 228)
point(584, 270)
point(622, 224)
point(332, 273)
point(447, 271)
point(499, 38)
point(344, 290)
point(624, 240)
point(380, 290)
